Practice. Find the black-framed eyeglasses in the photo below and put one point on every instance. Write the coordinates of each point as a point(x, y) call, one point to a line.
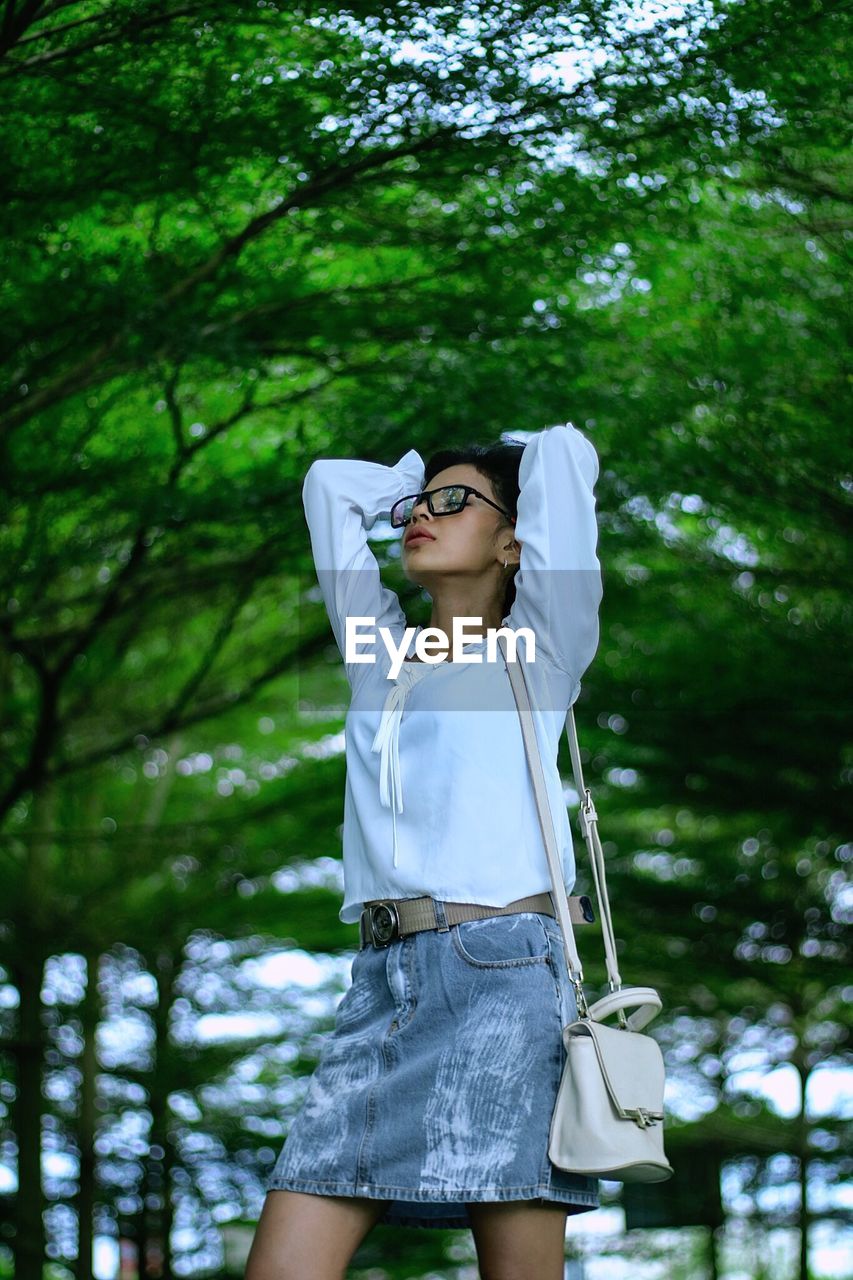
point(445, 501)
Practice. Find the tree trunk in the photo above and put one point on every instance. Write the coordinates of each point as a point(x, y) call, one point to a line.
point(90, 1016)
point(713, 1268)
point(28, 1107)
point(158, 1264)
point(32, 942)
point(802, 1150)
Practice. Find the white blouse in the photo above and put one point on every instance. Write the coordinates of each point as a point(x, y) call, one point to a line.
point(438, 795)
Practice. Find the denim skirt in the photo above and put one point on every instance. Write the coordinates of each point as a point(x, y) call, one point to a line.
point(437, 1084)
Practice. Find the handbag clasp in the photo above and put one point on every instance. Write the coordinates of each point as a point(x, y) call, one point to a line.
point(580, 998)
point(642, 1117)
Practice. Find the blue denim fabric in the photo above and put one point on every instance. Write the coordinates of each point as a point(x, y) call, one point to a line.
point(437, 1085)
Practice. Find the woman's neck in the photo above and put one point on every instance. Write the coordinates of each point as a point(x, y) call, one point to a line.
point(472, 632)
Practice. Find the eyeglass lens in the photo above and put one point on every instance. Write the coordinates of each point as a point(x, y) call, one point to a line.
point(442, 501)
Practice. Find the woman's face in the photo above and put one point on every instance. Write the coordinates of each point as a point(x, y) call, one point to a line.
point(469, 541)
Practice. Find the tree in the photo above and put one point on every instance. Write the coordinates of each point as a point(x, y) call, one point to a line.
point(239, 237)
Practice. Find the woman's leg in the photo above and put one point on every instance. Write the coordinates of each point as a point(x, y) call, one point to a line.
point(520, 1240)
point(309, 1237)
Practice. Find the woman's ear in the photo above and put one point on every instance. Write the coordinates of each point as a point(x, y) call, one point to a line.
point(512, 552)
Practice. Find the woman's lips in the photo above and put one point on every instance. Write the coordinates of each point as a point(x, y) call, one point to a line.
point(419, 537)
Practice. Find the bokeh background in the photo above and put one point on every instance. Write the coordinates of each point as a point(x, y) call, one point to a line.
point(238, 236)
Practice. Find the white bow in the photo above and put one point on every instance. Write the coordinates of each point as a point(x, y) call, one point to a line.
point(387, 742)
point(387, 739)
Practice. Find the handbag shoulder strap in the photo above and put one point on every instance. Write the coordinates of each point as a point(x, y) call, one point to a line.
point(589, 820)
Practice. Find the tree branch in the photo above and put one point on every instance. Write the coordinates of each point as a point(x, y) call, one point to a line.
point(332, 180)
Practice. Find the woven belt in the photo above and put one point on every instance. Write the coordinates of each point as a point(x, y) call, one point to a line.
point(384, 920)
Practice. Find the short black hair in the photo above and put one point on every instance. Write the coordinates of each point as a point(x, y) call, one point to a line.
point(500, 463)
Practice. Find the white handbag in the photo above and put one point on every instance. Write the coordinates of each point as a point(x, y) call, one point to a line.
point(608, 1118)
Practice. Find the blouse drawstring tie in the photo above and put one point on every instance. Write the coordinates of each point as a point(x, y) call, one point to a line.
point(387, 743)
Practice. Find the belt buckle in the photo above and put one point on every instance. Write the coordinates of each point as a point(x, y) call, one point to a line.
point(383, 923)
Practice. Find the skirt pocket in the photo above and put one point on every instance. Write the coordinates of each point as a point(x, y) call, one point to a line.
point(502, 941)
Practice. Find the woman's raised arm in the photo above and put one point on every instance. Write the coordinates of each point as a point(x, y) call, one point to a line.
point(558, 584)
point(343, 498)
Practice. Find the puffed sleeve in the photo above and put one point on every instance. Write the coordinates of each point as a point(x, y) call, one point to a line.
point(558, 583)
point(343, 498)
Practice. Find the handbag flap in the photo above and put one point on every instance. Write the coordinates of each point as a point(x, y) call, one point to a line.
point(632, 1066)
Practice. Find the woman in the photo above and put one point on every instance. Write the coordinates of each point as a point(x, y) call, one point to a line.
point(432, 1100)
